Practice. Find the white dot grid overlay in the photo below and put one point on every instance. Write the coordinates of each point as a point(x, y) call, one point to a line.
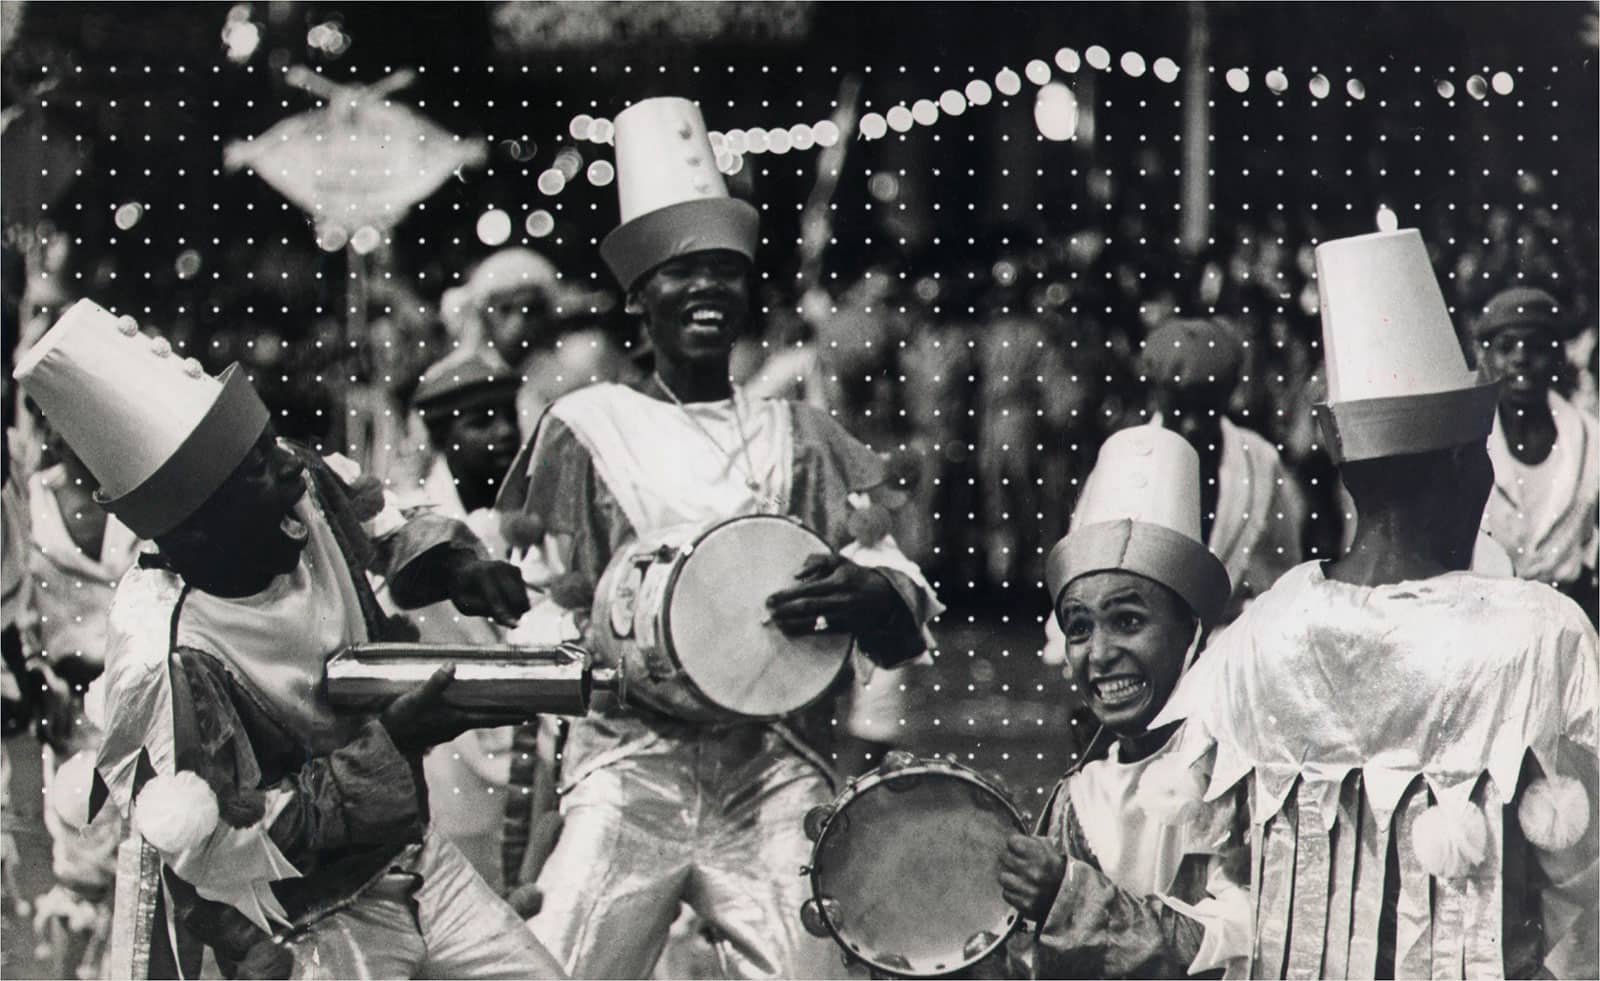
point(1003, 220)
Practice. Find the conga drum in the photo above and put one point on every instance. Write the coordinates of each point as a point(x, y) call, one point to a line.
point(905, 867)
point(683, 614)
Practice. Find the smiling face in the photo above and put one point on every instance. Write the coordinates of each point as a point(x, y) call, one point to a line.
point(1126, 641)
point(1526, 359)
point(694, 306)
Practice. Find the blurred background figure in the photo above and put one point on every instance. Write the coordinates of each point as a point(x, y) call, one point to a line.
point(75, 553)
point(552, 335)
point(467, 401)
point(1545, 507)
point(1251, 508)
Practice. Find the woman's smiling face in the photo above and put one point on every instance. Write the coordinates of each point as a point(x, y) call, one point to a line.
point(1126, 641)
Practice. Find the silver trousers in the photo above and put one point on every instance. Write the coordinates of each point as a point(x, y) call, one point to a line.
point(431, 916)
point(711, 819)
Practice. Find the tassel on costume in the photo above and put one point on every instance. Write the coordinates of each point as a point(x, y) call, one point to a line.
point(1450, 838)
point(1554, 813)
point(175, 813)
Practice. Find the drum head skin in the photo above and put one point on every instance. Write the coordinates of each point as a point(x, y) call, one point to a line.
point(906, 870)
point(719, 627)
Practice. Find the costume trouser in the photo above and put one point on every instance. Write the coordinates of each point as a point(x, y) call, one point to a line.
point(431, 916)
point(712, 819)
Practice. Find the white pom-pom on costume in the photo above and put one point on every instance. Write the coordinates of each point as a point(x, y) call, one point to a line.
point(69, 791)
point(1554, 813)
point(175, 813)
point(1450, 838)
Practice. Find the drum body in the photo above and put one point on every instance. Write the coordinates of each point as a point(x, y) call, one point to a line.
point(683, 614)
point(905, 869)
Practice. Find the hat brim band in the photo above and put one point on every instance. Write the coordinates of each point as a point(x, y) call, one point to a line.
point(1369, 429)
point(1176, 561)
point(476, 396)
point(201, 463)
point(703, 225)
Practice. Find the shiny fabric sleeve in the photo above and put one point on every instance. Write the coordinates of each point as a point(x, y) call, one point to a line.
point(1570, 901)
point(554, 482)
point(1096, 929)
point(398, 544)
point(362, 793)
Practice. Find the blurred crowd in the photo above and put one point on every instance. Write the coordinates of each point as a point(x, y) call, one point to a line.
point(988, 375)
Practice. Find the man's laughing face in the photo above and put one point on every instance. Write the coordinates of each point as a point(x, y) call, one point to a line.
point(695, 306)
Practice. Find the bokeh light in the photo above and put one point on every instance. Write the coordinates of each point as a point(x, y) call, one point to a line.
point(494, 228)
point(552, 181)
point(1055, 112)
point(539, 223)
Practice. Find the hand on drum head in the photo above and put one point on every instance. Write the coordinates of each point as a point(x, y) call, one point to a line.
point(421, 719)
point(833, 594)
point(1031, 871)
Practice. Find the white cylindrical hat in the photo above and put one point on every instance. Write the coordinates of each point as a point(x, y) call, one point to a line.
point(158, 433)
point(672, 196)
point(1397, 380)
point(1140, 513)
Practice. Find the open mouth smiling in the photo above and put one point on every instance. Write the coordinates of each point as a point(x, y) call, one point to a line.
point(1120, 690)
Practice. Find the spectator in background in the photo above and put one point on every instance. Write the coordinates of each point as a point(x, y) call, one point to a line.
point(515, 304)
point(1546, 499)
point(467, 400)
point(1251, 507)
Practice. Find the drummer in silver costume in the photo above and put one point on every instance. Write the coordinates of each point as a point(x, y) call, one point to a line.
point(659, 811)
point(1128, 880)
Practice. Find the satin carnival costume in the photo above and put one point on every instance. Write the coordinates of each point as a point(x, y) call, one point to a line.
point(1419, 757)
point(264, 817)
point(659, 811)
point(1154, 885)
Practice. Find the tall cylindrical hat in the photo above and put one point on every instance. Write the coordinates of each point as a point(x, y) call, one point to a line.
point(1397, 380)
point(1140, 513)
point(673, 199)
point(158, 433)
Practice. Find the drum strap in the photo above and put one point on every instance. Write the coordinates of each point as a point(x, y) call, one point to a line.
point(808, 754)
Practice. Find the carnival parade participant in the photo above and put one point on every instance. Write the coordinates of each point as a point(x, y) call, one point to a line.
point(291, 838)
point(657, 810)
point(1122, 883)
point(1251, 506)
point(1545, 507)
point(467, 402)
point(1418, 739)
